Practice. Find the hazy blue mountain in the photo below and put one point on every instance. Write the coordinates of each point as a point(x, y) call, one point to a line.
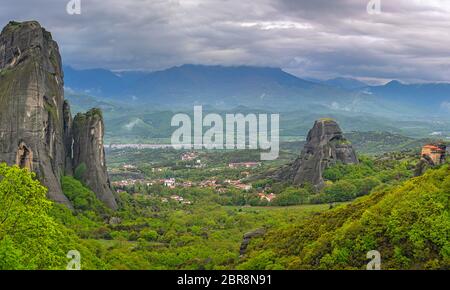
point(346, 83)
point(435, 96)
point(218, 86)
point(100, 82)
point(268, 88)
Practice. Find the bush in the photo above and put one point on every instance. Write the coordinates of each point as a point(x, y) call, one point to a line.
point(149, 235)
point(291, 196)
point(82, 198)
point(79, 171)
point(342, 190)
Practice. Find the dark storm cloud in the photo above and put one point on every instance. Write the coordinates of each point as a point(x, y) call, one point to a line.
point(322, 38)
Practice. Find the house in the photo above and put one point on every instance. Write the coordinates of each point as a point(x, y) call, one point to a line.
point(436, 152)
point(245, 173)
point(222, 190)
point(269, 197)
point(186, 184)
point(189, 156)
point(129, 166)
point(242, 186)
point(239, 185)
point(209, 183)
point(169, 182)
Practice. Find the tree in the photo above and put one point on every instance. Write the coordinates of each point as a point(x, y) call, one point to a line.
point(29, 237)
point(342, 190)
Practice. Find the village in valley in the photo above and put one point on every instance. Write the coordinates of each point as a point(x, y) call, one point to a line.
point(179, 173)
point(191, 160)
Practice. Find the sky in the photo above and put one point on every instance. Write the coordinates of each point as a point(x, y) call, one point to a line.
point(407, 40)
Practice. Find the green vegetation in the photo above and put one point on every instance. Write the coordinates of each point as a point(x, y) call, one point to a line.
point(81, 118)
point(51, 109)
point(82, 198)
point(30, 237)
point(94, 112)
point(342, 182)
point(13, 25)
point(80, 171)
point(380, 142)
point(22, 204)
point(200, 226)
point(409, 224)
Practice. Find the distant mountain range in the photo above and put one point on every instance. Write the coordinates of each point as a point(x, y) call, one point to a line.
point(346, 83)
point(258, 87)
point(218, 86)
point(138, 106)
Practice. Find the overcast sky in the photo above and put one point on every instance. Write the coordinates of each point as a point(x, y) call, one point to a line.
point(409, 40)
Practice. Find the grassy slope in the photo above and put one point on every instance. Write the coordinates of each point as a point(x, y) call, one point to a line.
point(408, 224)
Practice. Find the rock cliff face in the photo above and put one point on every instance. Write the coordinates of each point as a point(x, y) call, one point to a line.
point(89, 155)
point(35, 121)
point(325, 146)
point(432, 154)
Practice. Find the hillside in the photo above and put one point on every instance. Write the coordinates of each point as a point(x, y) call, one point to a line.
point(379, 142)
point(428, 95)
point(128, 122)
point(408, 224)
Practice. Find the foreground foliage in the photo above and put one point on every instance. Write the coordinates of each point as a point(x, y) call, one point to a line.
point(406, 220)
point(408, 224)
point(30, 236)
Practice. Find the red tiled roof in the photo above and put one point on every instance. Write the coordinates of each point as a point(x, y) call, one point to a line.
point(433, 147)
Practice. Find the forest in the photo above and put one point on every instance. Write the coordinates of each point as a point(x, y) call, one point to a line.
point(376, 204)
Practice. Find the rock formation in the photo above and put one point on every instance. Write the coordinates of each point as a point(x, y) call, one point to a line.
point(35, 120)
point(431, 155)
point(325, 146)
point(248, 237)
point(89, 155)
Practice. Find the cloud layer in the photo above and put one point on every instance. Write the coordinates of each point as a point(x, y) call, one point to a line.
point(321, 39)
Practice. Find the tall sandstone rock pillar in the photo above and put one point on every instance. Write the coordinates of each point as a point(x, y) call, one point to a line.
point(31, 103)
point(325, 146)
point(89, 155)
point(35, 121)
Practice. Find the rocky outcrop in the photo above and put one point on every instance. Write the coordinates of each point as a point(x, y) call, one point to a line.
point(248, 237)
point(424, 163)
point(35, 120)
point(432, 154)
point(89, 155)
point(31, 100)
point(325, 146)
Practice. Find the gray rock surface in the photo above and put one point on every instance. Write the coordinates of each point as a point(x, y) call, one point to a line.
point(325, 146)
point(248, 237)
point(31, 102)
point(89, 155)
point(68, 138)
point(35, 120)
point(424, 163)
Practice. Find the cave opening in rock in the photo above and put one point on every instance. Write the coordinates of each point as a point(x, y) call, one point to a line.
point(24, 156)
